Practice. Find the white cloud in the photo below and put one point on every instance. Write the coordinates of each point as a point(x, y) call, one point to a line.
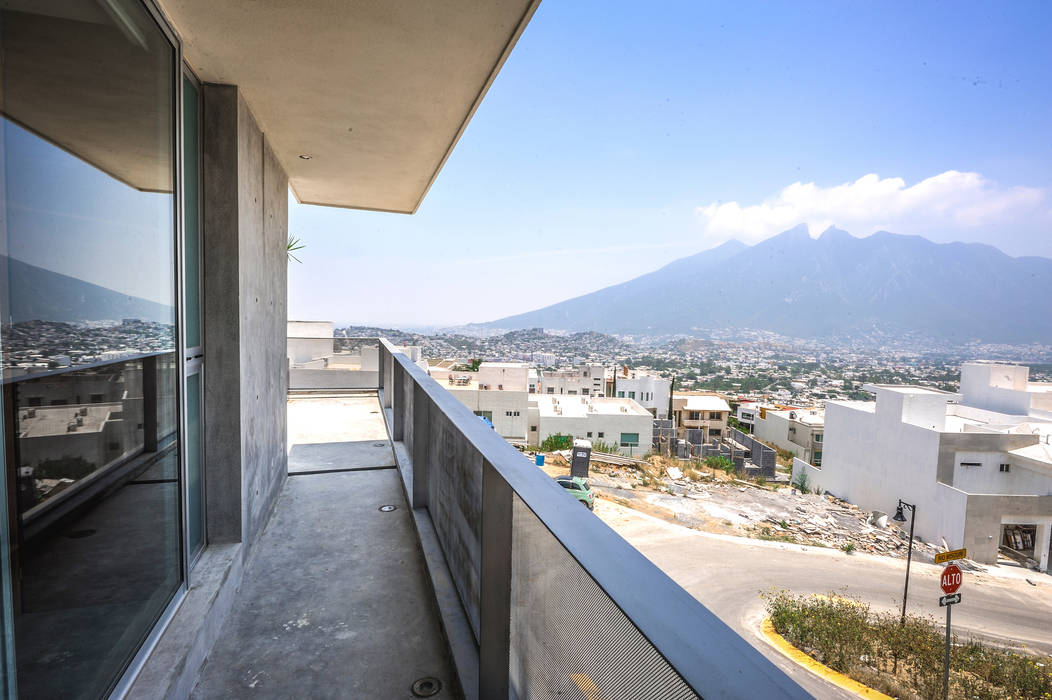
point(950, 206)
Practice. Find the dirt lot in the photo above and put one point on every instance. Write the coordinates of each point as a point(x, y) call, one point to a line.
point(712, 501)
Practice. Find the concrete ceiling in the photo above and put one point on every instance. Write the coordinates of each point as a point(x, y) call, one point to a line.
point(94, 86)
point(377, 92)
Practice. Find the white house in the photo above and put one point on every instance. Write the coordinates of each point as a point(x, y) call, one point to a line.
point(583, 380)
point(497, 392)
point(798, 430)
point(649, 390)
point(979, 477)
point(622, 422)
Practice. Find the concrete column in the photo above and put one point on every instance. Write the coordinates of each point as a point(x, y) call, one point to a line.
point(244, 233)
point(1042, 543)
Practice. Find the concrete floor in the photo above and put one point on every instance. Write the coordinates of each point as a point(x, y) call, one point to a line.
point(336, 601)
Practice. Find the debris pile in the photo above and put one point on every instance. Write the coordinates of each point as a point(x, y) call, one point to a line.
point(717, 502)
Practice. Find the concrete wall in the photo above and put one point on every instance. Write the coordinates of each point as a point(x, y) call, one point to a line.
point(245, 208)
point(1000, 388)
point(874, 459)
point(311, 378)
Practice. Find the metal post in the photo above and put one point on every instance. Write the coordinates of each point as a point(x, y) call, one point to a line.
point(398, 400)
point(946, 670)
point(495, 585)
point(420, 449)
point(149, 403)
point(909, 558)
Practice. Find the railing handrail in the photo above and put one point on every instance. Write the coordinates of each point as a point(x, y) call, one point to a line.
point(711, 657)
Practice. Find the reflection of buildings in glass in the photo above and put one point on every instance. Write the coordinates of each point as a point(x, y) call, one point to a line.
point(34, 347)
point(71, 425)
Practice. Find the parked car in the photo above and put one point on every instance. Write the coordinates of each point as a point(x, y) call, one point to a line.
point(578, 488)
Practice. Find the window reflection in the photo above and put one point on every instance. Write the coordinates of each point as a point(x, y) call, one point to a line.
point(87, 325)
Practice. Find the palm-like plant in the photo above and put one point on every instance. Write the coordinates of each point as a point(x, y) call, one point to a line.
point(294, 244)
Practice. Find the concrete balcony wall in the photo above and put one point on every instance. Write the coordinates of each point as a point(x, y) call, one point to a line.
point(551, 600)
point(245, 227)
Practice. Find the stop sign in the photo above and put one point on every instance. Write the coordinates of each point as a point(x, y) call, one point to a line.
point(951, 579)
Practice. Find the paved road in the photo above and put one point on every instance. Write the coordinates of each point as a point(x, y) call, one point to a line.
point(727, 575)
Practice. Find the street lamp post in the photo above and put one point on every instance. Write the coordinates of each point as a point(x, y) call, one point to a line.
point(899, 517)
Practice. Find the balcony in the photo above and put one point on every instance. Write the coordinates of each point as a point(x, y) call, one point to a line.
point(485, 576)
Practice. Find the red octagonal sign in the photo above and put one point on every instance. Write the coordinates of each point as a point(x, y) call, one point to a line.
point(951, 579)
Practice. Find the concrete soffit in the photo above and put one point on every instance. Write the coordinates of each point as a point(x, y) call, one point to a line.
point(377, 93)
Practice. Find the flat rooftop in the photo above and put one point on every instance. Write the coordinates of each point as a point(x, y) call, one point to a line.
point(584, 406)
point(908, 389)
point(54, 420)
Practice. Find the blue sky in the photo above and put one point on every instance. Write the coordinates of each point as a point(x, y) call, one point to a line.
point(621, 136)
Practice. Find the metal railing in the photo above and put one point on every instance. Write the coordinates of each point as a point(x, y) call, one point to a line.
point(559, 604)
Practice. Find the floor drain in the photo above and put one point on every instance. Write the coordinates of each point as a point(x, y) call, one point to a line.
point(379, 444)
point(387, 509)
point(78, 534)
point(426, 687)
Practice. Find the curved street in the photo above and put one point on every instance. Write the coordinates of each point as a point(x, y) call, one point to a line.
point(728, 574)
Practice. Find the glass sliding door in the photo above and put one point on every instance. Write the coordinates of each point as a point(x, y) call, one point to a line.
point(91, 370)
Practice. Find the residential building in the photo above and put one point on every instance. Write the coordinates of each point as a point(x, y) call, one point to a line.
point(700, 411)
point(798, 430)
point(496, 392)
point(979, 478)
point(622, 422)
point(649, 390)
point(583, 380)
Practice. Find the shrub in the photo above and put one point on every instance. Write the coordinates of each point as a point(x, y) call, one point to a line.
point(801, 483)
point(601, 446)
point(848, 548)
point(715, 462)
point(557, 442)
point(903, 658)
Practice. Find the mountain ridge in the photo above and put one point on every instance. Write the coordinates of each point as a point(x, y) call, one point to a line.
point(45, 295)
point(832, 285)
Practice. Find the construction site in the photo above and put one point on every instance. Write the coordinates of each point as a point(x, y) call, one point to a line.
point(691, 494)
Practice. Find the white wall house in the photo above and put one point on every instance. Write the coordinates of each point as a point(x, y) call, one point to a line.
point(583, 380)
point(497, 392)
point(798, 430)
point(622, 422)
point(974, 473)
point(649, 390)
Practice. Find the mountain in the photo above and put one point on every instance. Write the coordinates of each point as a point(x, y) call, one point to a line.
point(833, 285)
point(43, 295)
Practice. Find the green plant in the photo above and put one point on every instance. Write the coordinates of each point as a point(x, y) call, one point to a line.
point(782, 524)
point(903, 658)
point(602, 446)
point(848, 548)
point(801, 483)
point(556, 442)
point(293, 245)
point(715, 462)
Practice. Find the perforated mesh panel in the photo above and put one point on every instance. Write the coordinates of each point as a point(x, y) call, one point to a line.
point(568, 639)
